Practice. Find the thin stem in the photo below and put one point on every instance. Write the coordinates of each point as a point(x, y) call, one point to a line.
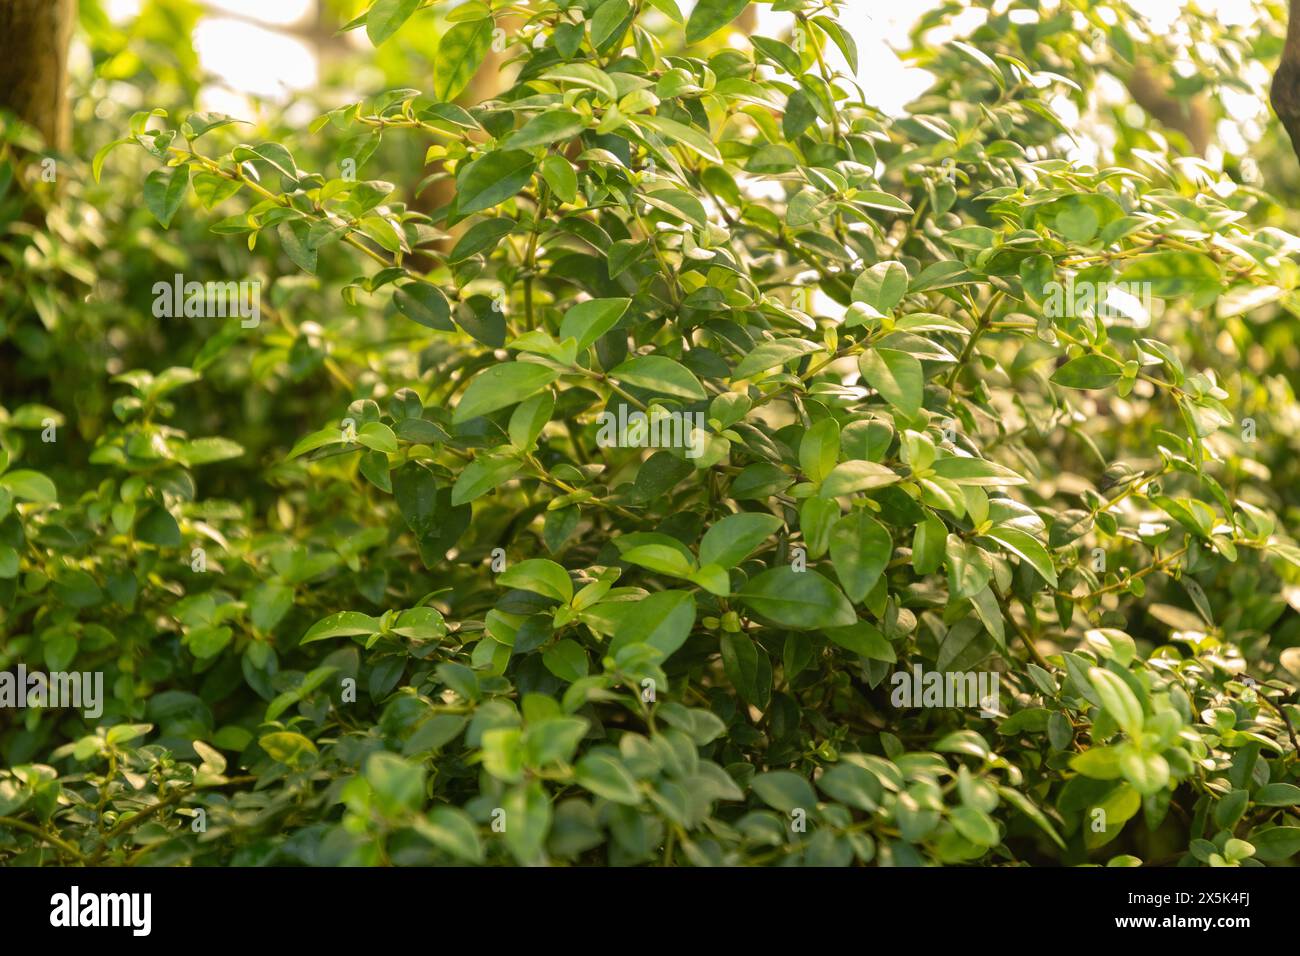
point(40, 834)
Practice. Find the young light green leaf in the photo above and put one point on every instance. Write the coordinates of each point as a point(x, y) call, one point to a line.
point(499, 386)
point(660, 374)
point(1118, 700)
point(588, 321)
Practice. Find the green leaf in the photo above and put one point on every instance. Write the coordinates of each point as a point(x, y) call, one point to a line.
point(747, 668)
point(710, 16)
point(1278, 795)
point(205, 451)
point(9, 562)
point(503, 753)
point(482, 475)
point(378, 437)
point(1027, 807)
point(482, 237)
point(659, 374)
point(1147, 772)
point(1230, 808)
point(1275, 844)
point(206, 642)
point(852, 785)
point(158, 527)
point(125, 733)
point(663, 620)
point(734, 537)
point(287, 747)
point(975, 825)
point(566, 660)
point(529, 418)
point(1171, 274)
point(968, 568)
point(528, 817)
point(1088, 371)
point(584, 75)
point(608, 17)
point(819, 449)
point(897, 376)
point(688, 136)
point(875, 199)
point(664, 559)
point(553, 740)
point(1099, 763)
point(398, 786)
point(386, 18)
point(803, 600)
point(882, 286)
point(976, 472)
point(342, 624)
point(606, 777)
point(164, 189)
point(559, 175)
point(420, 624)
point(317, 439)
point(853, 476)
point(541, 577)
point(492, 179)
point(31, 486)
point(425, 304)
point(1118, 700)
point(460, 51)
point(865, 639)
point(295, 238)
point(544, 129)
point(452, 830)
point(785, 791)
point(588, 321)
point(501, 385)
point(860, 548)
point(928, 544)
point(680, 204)
point(1026, 547)
point(768, 355)
point(97, 164)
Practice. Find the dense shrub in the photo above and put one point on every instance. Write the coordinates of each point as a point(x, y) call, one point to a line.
point(382, 579)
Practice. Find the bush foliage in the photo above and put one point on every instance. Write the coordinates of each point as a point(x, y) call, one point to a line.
point(374, 581)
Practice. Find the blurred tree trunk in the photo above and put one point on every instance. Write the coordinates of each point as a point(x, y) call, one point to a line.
point(34, 36)
point(1189, 116)
point(1285, 91)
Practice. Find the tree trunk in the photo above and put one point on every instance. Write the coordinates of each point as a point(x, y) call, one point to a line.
point(34, 36)
point(1285, 91)
point(1190, 116)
